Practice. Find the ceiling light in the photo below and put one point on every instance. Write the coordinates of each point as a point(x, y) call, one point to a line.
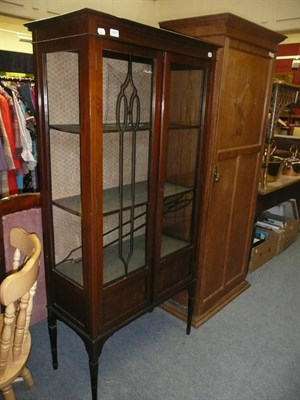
point(24, 38)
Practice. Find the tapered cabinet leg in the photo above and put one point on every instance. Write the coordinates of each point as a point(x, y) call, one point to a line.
point(94, 351)
point(52, 329)
point(94, 377)
point(191, 303)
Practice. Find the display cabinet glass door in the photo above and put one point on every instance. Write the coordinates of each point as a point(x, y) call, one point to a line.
point(182, 156)
point(64, 141)
point(127, 138)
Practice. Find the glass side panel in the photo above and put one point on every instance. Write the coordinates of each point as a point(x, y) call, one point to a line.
point(127, 88)
point(63, 101)
point(182, 151)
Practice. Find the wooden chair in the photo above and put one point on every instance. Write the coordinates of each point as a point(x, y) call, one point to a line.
point(16, 295)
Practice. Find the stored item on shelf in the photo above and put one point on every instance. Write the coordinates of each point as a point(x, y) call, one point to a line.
point(287, 236)
point(283, 228)
point(286, 130)
point(296, 131)
point(288, 209)
point(268, 225)
point(296, 109)
point(263, 251)
point(274, 163)
point(275, 219)
point(291, 168)
point(260, 234)
point(273, 170)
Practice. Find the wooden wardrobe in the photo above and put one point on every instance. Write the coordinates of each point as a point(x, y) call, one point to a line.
point(242, 87)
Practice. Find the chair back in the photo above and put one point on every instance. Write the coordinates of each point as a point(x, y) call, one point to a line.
point(16, 295)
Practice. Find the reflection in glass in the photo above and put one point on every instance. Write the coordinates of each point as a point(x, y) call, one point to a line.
point(183, 146)
point(127, 106)
point(63, 102)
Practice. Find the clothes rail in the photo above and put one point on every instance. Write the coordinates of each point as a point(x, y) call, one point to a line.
point(16, 78)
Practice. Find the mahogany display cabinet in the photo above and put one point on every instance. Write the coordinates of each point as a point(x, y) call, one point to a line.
point(123, 112)
point(242, 91)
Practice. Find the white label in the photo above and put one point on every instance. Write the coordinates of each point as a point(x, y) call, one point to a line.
point(114, 32)
point(101, 31)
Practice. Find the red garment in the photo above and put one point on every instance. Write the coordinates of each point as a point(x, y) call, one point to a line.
point(7, 121)
point(12, 182)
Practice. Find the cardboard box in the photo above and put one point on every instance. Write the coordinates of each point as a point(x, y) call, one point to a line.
point(263, 252)
point(275, 244)
point(286, 236)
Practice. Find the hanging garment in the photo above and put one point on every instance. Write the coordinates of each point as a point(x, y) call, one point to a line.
point(8, 145)
point(4, 184)
point(7, 134)
point(26, 141)
point(27, 96)
point(8, 94)
point(3, 165)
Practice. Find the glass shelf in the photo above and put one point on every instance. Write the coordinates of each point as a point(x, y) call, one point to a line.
point(183, 125)
point(112, 127)
point(71, 204)
point(70, 128)
point(113, 266)
point(75, 128)
point(111, 198)
point(170, 189)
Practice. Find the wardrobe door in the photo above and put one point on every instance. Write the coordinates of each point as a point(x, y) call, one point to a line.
point(179, 177)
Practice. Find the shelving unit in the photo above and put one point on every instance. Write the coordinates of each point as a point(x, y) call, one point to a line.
point(282, 95)
point(285, 187)
point(290, 119)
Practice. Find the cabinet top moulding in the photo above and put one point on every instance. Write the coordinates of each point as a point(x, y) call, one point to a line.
point(212, 27)
point(106, 26)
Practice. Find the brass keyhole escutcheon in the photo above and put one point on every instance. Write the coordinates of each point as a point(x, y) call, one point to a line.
point(217, 175)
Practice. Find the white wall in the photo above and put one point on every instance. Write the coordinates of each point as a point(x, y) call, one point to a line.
point(11, 29)
point(138, 10)
point(278, 15)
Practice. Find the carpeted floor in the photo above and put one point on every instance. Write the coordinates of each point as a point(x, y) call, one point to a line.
point(248, 351)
